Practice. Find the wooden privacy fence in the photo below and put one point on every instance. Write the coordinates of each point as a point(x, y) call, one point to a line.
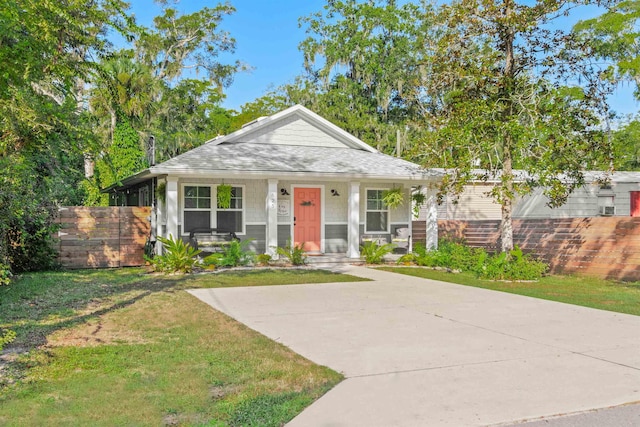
point(607, 247)
point(98, 237)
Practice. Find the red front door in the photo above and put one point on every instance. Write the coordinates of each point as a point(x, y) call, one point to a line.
point(306, 218)
point(635, 203)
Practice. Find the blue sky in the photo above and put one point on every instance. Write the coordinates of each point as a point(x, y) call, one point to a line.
point(267, 38)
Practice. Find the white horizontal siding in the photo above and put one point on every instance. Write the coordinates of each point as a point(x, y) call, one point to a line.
point(292, 131)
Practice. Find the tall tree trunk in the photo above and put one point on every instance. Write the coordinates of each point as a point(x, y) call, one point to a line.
point(506, 225)
point(507, 196)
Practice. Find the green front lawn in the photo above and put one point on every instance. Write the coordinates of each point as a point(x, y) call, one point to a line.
point(591, 292)
point(120, 347)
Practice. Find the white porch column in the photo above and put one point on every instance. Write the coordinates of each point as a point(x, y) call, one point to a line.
point(172, 207)
point(432, 219)
point(161, 220)
point(409, 189)
point(353, 225)
point(271, 202)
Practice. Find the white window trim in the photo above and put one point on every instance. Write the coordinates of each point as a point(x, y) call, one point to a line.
point(366, 210)
point(213, 218)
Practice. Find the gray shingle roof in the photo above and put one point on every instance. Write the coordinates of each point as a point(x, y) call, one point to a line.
point(274, 159)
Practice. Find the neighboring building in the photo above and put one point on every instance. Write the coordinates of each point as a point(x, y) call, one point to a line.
point(620, 198)
point(294, 176)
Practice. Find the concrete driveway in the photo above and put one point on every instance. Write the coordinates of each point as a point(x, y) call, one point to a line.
point(418, 352)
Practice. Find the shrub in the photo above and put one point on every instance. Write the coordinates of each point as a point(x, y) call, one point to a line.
point(373, 253)
point(214, 259)
point(293, 253)
point(512, 266)
point(236, 254)
point(455, 255)
point(29, 241)
point(5, 274)
point(450, 254)
point(264, 259)
point(177, 256)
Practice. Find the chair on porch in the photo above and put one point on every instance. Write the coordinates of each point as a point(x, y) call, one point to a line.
point(401, 239)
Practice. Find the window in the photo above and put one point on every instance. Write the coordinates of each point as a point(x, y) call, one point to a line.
point(231, 219)
point(377, 213)
point(197, 208)
point(200, 209)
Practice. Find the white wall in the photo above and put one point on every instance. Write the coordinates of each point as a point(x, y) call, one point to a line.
point(474, 204)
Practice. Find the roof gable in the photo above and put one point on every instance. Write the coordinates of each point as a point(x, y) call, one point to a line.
point(292, 130)
point(294, 126)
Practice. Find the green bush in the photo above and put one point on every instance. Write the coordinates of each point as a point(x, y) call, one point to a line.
point(512, 266)
point(450, 254)
point(5, 274)
point(29, 241)
point(236, 254)
point(264, 259)
point(214, 259)
point(455, 255)
point(373, 253)
point(177, 256)
point(293, 253)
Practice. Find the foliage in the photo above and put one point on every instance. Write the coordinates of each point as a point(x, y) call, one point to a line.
point(393, 198)
point(360, 57)
point(373, 253)
point(234, 254)
point(161, 192)
point(176, 42)
point(450, 254)
point(511, 266)
point(223, 192)
point(264, 259)
point(474, 84)
point(212, 260)
point(612, 40)
point(26, 215)
point(5, 274)
point(177, 256)
point(493, 81)
point(6, 337)
point(293, 253)
point(418, 199)
point(626, 143)
point(455, 255)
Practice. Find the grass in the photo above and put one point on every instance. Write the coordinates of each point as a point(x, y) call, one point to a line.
point(621, 297)
point(120, 347)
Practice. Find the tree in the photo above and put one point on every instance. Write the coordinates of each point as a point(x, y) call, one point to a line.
point(188, 42)
point(366, 55)
point(615, 38)
point(626, 142)
point(496, 93)
point(46, 50)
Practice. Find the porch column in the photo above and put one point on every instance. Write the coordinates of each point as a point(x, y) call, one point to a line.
point(409, 189)
point(353, 224)
point(432, 219)
point(159, 212)
point(271, 241)
point(172, 207)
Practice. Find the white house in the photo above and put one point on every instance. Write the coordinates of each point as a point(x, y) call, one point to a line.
point(294, 176)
